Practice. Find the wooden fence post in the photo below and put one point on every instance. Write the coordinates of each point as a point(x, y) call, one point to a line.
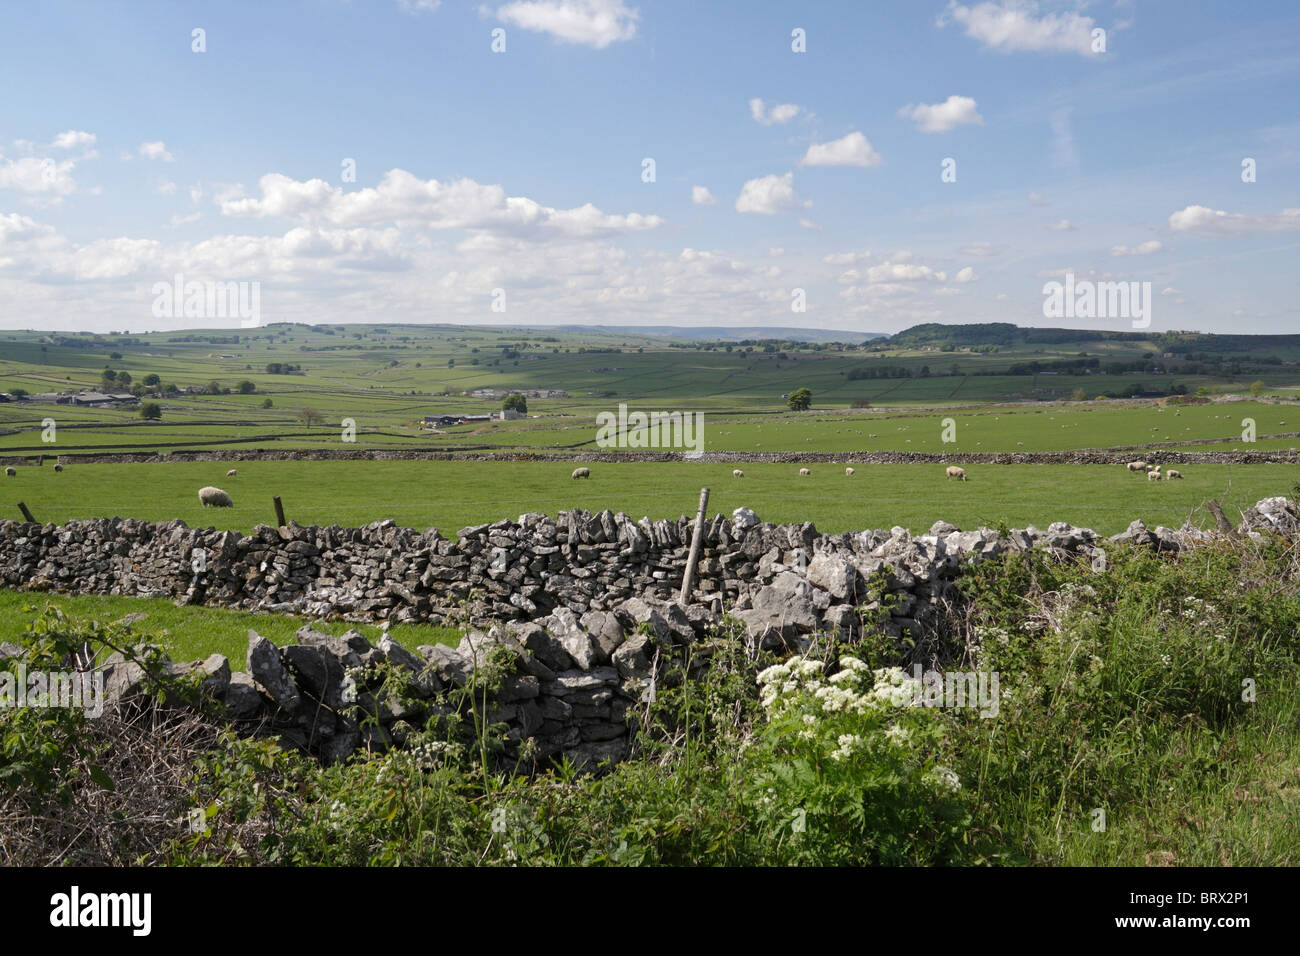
point(279, 513)
point(688, 582)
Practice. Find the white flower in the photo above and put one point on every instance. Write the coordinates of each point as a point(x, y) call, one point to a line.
point(809, 719)
point(944, 778)
point(777, 672)
point(848, 743)
point(898, 735)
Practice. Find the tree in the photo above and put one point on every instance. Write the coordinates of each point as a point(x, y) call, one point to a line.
point(124, 379)
point(18, 392)
point(151, 411)
point(516, 402)
point(1256, 387)
point(116, 356)
point(151, 380)
point(1079, 395)
point(246, 387)
point(1202, 391)
point(800, 400)
point(266, 403)
point(309, 417)
point(108, 376)
point(214, 387)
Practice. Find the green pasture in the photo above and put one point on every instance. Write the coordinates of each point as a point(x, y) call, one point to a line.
point(451, 495)
point(193, 632)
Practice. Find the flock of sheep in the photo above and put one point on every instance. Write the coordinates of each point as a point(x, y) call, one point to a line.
point(953, 472)
point(1153, 471)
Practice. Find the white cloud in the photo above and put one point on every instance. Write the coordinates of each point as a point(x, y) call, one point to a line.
point(1216, 222)
point(1170, 290)
point(810, 225)
point(1037, 200)
point(414, 7)
point(74, 139)
point(846, 258)
point(1012, 26)
point(781, 113)
point(196, 193)
point(966, 274)
point(850, 150)
point(1150, 247)
point(594, 23)
point(1062, 225)
point(39, 176)
point(941, 117)
point(768, 195)
point(156, 149)
point(179, 220)
point(981, 249)
point(701, 196)
point(404, 199)
point(903, 272)
point(165, 188)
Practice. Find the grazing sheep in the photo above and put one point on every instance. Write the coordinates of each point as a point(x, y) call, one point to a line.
point(215, 498)
point(1137, 466)
point(231, 473)
point(849, 471)
point(805, 473)
point(955, 472)
point(581, 473)
point(737, 473)
point(58, 467)
point(1154, 474)
point(11, 472)
point(1170, 475)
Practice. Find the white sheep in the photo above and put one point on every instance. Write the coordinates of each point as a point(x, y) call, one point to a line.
point(11, 472)
point(737, 473)
point(1154, 474)
point(1170, 475)
point(1137, 466)
point(805, 473)
point(215, 497)
point(850, 472)
point(955, 472)
point(58, 467)
point(581, 473)
point(231, 473)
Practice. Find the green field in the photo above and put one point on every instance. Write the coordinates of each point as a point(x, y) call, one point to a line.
point(449, 495)
point(386, 379)
point(191, 633)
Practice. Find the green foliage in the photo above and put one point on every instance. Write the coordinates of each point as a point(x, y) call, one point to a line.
point(516, 402)
point(151, 411)
point(800, 400)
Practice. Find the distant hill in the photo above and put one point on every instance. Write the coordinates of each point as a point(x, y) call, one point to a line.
point(724, 333)
point(1004, 334)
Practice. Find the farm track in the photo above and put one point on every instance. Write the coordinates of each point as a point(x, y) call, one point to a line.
point(1075, 457)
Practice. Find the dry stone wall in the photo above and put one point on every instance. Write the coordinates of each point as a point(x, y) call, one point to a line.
point(581, 607)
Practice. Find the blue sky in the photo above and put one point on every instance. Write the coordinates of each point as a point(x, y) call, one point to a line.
point(126, 158)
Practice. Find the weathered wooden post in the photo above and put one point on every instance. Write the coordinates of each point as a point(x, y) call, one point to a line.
point(26, 514)
point(279, 513)
point(688, 582)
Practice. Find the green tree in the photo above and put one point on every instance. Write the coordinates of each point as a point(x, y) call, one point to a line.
point(152, 380)
point(800, 400)
point(246, 387)
point(516, 402)
point(151, 411)
point(1079, 395)
point(266, 403)
point(1202, 391)
point(124, 379)
point(309, 417)
point(1256, 387)
point(214, 387)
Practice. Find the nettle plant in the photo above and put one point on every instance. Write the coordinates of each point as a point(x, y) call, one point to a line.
point(847, 770)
